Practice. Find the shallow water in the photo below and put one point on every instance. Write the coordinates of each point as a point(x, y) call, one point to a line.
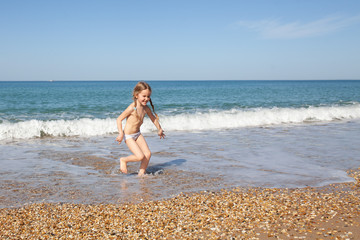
point(86, 170)
point(57, 141)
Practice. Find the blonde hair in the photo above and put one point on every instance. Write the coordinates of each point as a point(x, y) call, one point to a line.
point(140, 86)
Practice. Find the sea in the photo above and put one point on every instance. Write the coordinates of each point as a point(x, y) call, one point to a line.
point(57, 138)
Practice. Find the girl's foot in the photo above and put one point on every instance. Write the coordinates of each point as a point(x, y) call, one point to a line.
point(141, 173)
point(123, 167)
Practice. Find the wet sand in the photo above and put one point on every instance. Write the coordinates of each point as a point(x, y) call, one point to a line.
point(331, 212)
point(85, 170)
point(91, 176)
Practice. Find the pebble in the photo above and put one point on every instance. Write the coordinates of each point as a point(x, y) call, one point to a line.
point(240, 213)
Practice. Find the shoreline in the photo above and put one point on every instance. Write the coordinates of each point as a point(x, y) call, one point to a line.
point(330, 212)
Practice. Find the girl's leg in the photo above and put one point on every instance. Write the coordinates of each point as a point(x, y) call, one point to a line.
point(137, 156)
point(147, 154)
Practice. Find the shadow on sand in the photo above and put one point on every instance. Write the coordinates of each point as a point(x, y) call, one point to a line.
point(159, 168)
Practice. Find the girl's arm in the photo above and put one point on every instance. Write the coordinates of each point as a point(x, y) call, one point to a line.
point(119, 120)
point(155, 121)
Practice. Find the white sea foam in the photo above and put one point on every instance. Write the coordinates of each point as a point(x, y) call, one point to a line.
point(182, 122)
point(259, 117)
point(57, 128)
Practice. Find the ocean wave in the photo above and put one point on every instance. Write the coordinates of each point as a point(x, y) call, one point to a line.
point(56, 128)
point(212, 120)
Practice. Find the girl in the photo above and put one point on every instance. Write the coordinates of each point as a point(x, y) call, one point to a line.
point(132, 136)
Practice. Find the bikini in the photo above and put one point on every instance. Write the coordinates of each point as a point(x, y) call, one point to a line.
point(134, 136)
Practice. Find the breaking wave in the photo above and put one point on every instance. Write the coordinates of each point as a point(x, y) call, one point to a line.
point(212, 120)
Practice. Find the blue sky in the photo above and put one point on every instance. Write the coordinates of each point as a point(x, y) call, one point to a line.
point(179, 40)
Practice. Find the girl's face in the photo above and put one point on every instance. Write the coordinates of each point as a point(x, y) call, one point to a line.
point(144, 96)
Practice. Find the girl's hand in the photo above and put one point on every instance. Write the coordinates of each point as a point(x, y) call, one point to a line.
point(161, 133)
point(119, 138)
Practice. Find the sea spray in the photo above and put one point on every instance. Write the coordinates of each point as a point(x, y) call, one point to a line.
point(199, 121)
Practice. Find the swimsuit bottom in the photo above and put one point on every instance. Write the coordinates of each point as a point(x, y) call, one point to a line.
point(133, 136)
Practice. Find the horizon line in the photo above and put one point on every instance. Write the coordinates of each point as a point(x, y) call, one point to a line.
point(134, 80)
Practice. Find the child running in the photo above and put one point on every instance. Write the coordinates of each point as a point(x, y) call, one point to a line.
point(132, 136)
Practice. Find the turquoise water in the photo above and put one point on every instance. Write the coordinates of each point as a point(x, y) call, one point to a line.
point(57, 139)
point(214, 105)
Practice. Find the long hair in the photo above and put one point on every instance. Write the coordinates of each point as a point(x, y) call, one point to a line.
point(140, 86)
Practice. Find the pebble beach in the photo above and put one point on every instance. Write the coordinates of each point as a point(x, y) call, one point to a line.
point(330, 212)
point(271, 162)
point(257, 105)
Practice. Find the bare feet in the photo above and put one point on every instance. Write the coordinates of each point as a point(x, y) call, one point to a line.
point(123, 167)
point(141, 173)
